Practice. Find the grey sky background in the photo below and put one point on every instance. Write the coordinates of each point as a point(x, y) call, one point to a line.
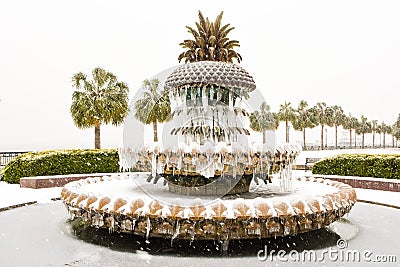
point(341, 52)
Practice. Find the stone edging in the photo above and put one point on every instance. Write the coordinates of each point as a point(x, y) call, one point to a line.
point(391, 185)
point(378, 203)
point(18, 206)
point(54, 180)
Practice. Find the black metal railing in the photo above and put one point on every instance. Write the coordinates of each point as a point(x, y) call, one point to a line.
point(330, 147)
point(6, 157)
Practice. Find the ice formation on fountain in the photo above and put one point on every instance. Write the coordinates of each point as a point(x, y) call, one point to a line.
point(209, 122)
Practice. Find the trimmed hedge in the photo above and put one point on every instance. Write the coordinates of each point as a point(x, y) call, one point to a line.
point(364, 165)
point(60, 162)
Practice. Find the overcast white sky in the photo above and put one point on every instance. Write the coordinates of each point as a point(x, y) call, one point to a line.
point(341, 52)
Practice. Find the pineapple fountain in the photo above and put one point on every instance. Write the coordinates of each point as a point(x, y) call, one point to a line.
point(207, 180)
point(213, 184)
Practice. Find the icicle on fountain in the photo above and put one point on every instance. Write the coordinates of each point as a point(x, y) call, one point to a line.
point(207, 192)
point(212, 155)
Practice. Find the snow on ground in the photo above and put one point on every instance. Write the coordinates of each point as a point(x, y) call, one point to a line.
point(379, 196)
point(12, 194)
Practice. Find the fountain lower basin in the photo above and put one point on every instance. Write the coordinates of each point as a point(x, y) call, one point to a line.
point(127, 203)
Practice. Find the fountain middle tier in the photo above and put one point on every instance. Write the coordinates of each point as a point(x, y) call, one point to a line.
point(208, 169)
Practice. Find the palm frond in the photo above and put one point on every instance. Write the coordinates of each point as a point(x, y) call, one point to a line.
point(210, 42)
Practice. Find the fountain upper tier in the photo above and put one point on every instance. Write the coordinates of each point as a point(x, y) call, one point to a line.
point(208, 130)
point(210, 73)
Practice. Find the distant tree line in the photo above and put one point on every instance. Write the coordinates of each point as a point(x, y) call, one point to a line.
point(304, 117)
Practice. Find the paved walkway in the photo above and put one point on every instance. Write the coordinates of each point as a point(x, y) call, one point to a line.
point(13, 194)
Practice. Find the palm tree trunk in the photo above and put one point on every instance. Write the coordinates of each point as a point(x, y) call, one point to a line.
point(373, 139)
point(362, 144)
point(355, 139)
point(322, 137)
point(97, 136)
point(335, 136)
point(392, 141)
point(155, 133)
point(384, 140)
point(264, 137)
point(304, 139)
point(287, 131)
point(351, 141)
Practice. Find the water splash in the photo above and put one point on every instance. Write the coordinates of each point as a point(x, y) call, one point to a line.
point(148, 226)
point(177, 229)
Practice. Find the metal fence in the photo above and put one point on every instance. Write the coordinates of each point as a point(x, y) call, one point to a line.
point(6, 157)
point(317, 147)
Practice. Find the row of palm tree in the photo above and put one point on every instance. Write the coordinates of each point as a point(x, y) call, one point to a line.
point(304, 117)
point(104, 99)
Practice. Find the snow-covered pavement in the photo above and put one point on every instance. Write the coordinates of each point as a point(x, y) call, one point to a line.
point(12, 194)
point(379, 196)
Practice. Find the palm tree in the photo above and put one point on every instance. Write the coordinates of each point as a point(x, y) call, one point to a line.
point(379, 131)
point(350, 124)
point(396, 135)
point(323, 116)
point(304, 119)
point(356, 131)
point(393, 134)
point(338, 119)
point(384, 130)
point(263, 120)
point(101, 100)
point(396, 129)
point(374, 129)
point(154, 107)
point(210, 42)
point(286, 114)
point(363, 128)
point(389, 130)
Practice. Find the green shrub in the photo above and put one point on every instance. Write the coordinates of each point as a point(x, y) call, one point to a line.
point(59, 162)
point(382, 166)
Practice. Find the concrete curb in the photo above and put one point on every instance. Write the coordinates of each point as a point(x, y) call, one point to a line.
point(38, 182)
point(378, 203)
point(18, 206)
point(391, 185)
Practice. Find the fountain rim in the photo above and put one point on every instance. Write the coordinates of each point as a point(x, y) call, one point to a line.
point(336, 205)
